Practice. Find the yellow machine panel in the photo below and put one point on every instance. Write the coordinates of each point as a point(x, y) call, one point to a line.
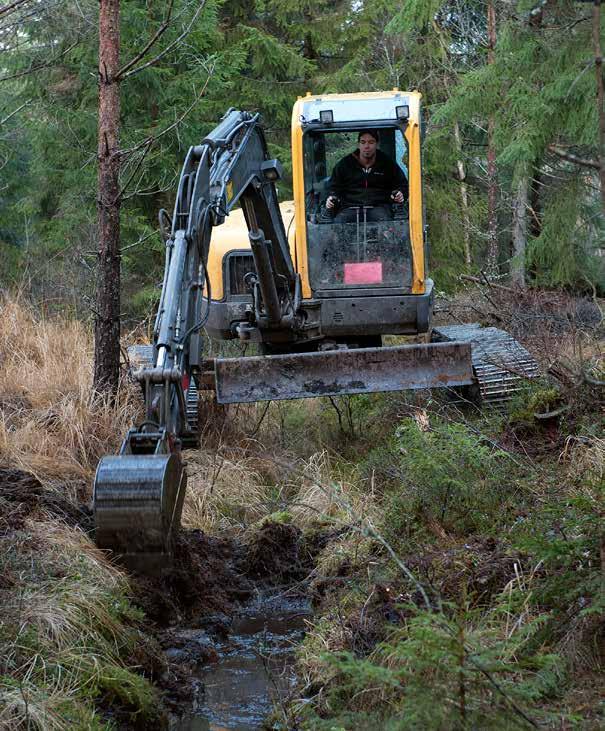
point(232, 236)
point(377, 106)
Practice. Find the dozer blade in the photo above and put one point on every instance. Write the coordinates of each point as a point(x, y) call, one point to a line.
point(137, 504)
point(338, 372)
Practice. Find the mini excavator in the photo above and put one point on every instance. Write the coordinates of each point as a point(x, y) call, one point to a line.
point(316, 296)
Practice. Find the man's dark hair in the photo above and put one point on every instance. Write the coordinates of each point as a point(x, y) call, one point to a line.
point(374, 132)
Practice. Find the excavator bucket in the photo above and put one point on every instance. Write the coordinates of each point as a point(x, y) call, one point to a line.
point(339, 372)
point(138, 500)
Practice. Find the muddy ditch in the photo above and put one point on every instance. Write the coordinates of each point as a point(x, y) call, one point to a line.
point(229, 617)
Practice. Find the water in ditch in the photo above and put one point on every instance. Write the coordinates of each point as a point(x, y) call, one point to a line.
point(254, 668)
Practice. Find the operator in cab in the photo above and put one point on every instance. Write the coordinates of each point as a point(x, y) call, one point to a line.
point(366, 180)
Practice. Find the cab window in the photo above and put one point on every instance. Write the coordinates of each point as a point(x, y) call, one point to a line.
point(364, 246)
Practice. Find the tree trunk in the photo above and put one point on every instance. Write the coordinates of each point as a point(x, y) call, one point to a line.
point(107, 315)
point(596, 35)
point(492, 183)
point(463, 196)
point(520, 202)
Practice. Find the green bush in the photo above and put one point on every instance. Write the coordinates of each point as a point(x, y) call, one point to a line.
point(446, 474)
point(454, 670)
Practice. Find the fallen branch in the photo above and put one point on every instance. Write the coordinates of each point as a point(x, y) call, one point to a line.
point(478, 280)
point(574, 158)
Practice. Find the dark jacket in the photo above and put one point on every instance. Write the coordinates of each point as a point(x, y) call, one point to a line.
point(355, 185)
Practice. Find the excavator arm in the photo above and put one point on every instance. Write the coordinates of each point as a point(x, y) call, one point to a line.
point(138, 494)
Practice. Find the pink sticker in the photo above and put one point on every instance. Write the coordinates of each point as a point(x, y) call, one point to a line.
point(367, 272)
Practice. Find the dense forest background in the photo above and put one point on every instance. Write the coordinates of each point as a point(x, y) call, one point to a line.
point(513, 157)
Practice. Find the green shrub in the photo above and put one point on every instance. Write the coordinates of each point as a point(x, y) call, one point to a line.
point(449, 475)
point(439, 671)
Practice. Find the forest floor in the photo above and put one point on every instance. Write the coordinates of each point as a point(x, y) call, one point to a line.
point(454, 559)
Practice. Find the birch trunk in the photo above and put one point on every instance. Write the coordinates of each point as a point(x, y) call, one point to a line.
point(520, 207)
point(596, 36)
point(492, 184)
point(463, 196)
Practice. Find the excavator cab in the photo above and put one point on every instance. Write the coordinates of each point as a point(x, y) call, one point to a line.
point(356, 247)
point(364, 265)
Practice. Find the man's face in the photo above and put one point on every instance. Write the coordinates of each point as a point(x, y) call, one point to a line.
point(367, 147)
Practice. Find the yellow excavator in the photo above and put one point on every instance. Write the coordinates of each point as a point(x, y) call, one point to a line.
point(315, 291)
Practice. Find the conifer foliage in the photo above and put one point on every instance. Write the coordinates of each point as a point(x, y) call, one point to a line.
point(192, 61)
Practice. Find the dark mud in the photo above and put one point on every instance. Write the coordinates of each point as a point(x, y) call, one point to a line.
point(22, 496)
point(477, 569)
point(205, 580)
point(276, 554)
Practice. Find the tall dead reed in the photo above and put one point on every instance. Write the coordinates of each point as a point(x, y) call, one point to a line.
point(52, 423)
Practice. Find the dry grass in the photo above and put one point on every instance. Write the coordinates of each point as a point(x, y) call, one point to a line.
point(232, 488)
point(326, 495)
point(52, 423)
point(32, 708)
point(66, 629)
point(586, 456)
point(224, 490)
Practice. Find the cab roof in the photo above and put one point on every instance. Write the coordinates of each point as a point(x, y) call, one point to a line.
point(376, 106)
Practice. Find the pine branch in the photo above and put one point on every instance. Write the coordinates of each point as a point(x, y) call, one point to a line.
point(16, 111)
point(501, 690)
point(46, 64)
point(153, 138)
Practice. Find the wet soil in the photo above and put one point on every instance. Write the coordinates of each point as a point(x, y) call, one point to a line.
point(277, 554)
point(205, 581)
point(219, 614)
point(22, 496)
point(228, 616)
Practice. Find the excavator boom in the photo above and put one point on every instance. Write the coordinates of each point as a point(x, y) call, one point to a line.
point(138, 495)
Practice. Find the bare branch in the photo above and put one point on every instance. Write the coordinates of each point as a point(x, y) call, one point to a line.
point(136, 169)
point(136, 243)
point(160, 31)
point(170, 46)
point(47, 64)
point(12, 6)
point(152, 139)
point(574, 158)
point(16, 111)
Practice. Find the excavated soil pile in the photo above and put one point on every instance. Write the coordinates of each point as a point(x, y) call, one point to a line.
point(23, 496)
point(204, 581)
point(277, 554)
